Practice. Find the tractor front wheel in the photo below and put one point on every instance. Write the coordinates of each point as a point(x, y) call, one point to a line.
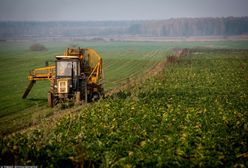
point(50, 99)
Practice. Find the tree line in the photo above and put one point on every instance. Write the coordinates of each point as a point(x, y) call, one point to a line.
point(193, 27)
point(171, 27)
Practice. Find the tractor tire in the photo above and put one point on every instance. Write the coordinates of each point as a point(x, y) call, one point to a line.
point(95, 96)
point(50, 100)
point(84, 90)
point(52, 83)
point(78, 97)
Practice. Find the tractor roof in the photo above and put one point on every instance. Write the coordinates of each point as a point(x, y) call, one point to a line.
point(67, 57)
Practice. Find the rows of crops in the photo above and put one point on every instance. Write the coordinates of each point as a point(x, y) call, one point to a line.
point(129, 65)
point(194, 114)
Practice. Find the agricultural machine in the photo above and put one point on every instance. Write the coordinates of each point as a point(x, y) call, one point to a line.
point(77, 76)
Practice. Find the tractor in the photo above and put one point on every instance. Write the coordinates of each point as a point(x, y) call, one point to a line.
point(77, 77)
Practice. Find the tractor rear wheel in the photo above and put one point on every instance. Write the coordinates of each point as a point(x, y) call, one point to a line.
point(78, 97)
point(96, 96)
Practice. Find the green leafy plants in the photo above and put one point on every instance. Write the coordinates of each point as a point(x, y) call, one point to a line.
point(193, 114)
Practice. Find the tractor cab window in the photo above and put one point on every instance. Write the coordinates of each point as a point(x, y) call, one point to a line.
point(65, 68)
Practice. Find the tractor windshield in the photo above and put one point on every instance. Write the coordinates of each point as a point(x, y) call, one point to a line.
point(65, 68)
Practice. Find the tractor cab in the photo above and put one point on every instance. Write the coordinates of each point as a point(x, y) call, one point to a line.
point(67, 76)
point(67, 68)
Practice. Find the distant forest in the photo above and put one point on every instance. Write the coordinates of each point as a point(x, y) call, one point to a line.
point(193, 27)
point(156, 28)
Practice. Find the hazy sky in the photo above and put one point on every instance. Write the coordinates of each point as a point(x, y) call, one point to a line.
point(44, 10)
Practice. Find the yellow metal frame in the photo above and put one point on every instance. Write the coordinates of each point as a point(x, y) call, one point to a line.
point(97, 70)
point(46, 73)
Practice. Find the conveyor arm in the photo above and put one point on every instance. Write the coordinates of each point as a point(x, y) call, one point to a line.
point(46, 73)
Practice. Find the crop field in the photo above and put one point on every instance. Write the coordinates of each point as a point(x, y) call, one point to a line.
point(192, 114)
point(121, 62)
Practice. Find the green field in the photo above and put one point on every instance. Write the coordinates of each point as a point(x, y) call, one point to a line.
point(122, 61)
point(193, 114)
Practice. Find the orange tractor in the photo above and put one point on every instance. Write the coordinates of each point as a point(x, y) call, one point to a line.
point(77, 76)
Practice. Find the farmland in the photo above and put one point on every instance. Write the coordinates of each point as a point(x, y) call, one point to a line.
point(192, 114)
point(122, 61)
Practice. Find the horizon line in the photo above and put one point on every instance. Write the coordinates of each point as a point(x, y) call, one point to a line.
point(122, 20)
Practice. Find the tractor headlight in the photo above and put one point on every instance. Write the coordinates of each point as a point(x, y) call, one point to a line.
point(62, 86)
